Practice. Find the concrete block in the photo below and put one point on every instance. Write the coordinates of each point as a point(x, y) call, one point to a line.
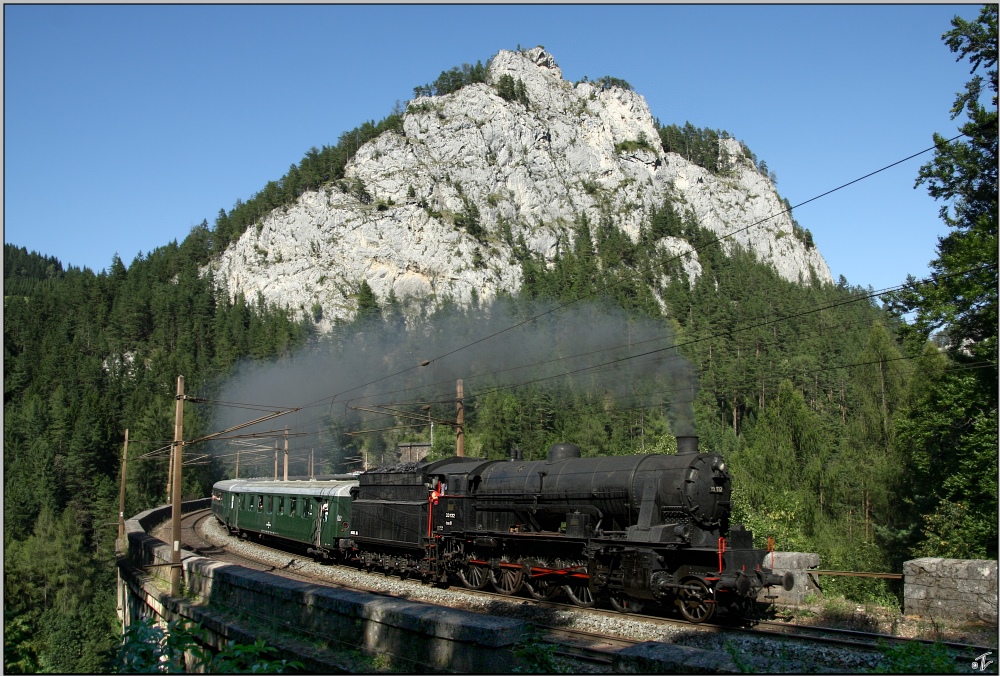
point(924, 566)
point(967, 586)
point(986, 609)
point(798, 564)
point(794, 560)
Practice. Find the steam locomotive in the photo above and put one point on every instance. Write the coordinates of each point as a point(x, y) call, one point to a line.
point(629, 529)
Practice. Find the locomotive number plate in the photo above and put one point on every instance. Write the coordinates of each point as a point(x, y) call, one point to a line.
point(715, 489)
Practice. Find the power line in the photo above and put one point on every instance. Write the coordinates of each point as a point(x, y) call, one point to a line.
point(332, 398)
point(695, 248)
point(594, 368)
point(767, 322)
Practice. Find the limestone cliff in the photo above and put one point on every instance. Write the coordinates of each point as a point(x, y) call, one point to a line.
point(528, 171)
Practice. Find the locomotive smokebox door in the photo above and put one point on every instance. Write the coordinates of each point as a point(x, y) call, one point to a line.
point(577, 525)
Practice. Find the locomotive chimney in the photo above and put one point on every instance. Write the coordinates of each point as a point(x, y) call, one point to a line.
point(687, 444)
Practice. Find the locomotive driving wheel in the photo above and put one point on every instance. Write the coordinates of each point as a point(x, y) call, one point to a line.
point(579, 593)
point(473, 576)
point(507, 581)
point(695, 601)
point(542, 590)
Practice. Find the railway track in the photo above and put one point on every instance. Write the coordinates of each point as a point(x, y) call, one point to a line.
point(593, 647)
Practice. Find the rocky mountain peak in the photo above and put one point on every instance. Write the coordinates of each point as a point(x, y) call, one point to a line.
point(435, 211)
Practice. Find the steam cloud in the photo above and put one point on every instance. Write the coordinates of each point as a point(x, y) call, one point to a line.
point(596, 347)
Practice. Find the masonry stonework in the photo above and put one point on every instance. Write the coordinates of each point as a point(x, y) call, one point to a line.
point(798, 564)
point(956, 589)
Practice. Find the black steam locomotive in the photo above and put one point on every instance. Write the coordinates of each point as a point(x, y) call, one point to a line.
point(629, 529)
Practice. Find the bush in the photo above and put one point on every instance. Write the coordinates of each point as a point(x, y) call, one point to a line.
point(147, 648)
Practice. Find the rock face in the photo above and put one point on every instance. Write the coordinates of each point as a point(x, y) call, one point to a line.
point(527, 171)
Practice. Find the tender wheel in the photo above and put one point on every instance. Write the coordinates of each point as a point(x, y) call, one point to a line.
point(579, 593)
point(507, 580)
point(542, 590)
point(473, 576)
point(624, 603)
point(695, 601)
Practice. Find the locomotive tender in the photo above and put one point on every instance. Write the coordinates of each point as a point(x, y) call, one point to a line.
point(630, 529)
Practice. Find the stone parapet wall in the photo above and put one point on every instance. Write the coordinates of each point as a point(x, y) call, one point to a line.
point(407, 635)
point(956, 589)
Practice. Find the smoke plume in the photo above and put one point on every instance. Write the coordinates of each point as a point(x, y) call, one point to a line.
point(340, 378)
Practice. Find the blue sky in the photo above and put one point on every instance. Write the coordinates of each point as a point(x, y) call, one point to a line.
point(124, 126)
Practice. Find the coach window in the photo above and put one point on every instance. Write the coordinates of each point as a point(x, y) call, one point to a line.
point(292, 505)
point(243, 503)
point(260, 503)
point(270, 504)
point(281, 504)
point(308, 508)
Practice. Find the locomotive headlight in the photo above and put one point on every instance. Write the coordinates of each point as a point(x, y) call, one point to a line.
point(719, 466)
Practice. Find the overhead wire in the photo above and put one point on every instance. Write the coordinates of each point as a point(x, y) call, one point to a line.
point(614, 362)
point(604, 288)
point(607, 286)
point(688, 342)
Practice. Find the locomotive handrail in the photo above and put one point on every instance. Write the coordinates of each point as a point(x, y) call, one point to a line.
point(604, 495)
point(850, 573)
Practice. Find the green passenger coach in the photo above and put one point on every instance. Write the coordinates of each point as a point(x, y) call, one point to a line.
point(316, 514)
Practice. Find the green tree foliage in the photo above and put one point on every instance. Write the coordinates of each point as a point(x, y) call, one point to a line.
point(607, 82)
point(368, 308)
point(950, 446)
point(951, 426)
point(963, 296)
point(85, 357)
point(512, 90)
point(450, 81)
point(317, 168)
point(700, 146)
point(148, 648)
